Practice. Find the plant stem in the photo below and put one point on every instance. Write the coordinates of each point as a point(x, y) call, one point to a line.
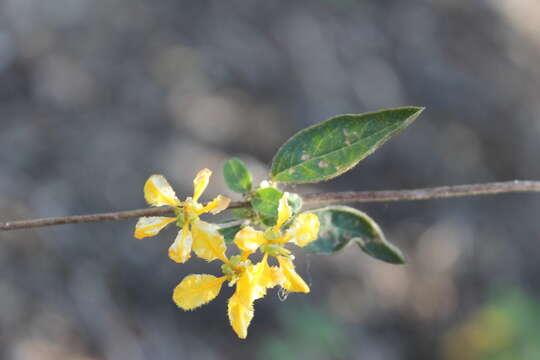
point(326, 198)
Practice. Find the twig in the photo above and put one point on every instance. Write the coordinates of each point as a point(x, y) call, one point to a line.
point(427, 193)
point(326, 198)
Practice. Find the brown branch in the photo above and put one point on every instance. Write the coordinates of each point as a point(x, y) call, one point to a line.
point(326, 198)
point(425, 194)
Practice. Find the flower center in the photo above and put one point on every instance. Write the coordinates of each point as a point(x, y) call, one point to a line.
point(187, 212)
point(235, 268)
point(271, 234)
point(274, 250)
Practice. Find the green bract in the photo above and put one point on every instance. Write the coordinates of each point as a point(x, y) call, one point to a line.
point(229, 230)
point(242, 213)
point(327, 150)
point(295, 201)
point(265, 203)
point(341, 225)
point(237, 176)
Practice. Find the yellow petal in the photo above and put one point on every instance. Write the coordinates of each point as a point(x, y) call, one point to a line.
point(216, 206)
point(200, 183)
point(151, 226)
point(251, 286)
point(284, 211)
point(180, 250)
point(245, 255)
point(271, 276)
point(197, 290)
point(255, 285)
point(158, 192)
point(249, 239)
point(240, 311)
point(292, 281)
point(304, 230)
point(208, 243)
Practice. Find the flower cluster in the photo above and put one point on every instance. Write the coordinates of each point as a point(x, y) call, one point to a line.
point(251, 279)
point(195, 234)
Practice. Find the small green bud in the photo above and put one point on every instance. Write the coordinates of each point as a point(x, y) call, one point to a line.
point(227, 270)
point(179, 217)
point(274, 249)
point(235, 260)
point(192, 216)
point(242, 213)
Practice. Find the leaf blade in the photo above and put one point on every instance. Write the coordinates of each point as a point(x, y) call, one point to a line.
point(341, 225)
point(237, 176)
point(265, 204)
point(229, 230)
point(328, 149)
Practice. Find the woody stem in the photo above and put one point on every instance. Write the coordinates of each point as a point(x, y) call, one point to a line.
point(325, 198)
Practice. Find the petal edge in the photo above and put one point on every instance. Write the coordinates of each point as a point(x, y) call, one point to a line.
point(180, 249)
point(249, 239)
point(151, 225)
point(200, 183)
point(158, 192)
point(240, 314)
point(292, 281)
point(196, 290)
point(208, 243)
point(304, 230)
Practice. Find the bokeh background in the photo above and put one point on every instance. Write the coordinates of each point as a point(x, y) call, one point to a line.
point(95, 95)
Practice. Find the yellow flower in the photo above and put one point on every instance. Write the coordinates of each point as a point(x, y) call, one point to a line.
point(201, 237)
point(303, 231)
point(251, 283)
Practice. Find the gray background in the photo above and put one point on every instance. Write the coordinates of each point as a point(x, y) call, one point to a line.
point(97, 95)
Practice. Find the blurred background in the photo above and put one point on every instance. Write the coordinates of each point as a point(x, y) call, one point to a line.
point(97, 95)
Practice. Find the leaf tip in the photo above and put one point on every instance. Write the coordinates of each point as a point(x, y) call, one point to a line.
point(384, 251)
point(419, 109)
point(237, 176)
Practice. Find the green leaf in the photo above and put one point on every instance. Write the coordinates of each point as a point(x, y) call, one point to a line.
point(265, 203)
point(242, 213)
point(237, 176)
point(295, 202)
point(327, 150)
point(229, 230)
point(341, 225)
